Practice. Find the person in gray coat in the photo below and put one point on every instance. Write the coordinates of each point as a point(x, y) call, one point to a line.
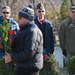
point(28, 45)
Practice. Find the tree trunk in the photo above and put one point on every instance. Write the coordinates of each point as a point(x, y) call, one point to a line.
point(72, 2)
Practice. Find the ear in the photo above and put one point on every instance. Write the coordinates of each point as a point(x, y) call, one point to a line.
point(44, 11)
point(69, 13)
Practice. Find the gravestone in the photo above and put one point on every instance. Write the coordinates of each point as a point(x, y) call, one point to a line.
point(59, 56)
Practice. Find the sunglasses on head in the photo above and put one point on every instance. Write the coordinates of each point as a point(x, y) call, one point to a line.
point(40, 11)
point(5, 12)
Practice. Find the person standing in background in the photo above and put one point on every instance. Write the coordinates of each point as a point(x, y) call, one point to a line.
point(66, 34)
point(46, 28)
point(6, 14)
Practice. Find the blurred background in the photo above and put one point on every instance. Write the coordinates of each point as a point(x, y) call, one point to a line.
point(56, 10)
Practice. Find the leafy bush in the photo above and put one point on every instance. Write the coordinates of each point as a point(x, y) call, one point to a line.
point(64, 11)
point(50, 66)
point(6, 69)
point(71, 65)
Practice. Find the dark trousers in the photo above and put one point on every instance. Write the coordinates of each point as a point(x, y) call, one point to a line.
point(24, 71)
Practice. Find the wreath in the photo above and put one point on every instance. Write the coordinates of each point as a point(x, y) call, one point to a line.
point(6, 69)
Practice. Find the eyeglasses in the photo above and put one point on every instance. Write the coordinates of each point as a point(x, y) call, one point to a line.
point(5, 12)
point(40, 11)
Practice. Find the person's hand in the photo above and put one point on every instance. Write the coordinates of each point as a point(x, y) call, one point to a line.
point(64, 53)
point(7, 58)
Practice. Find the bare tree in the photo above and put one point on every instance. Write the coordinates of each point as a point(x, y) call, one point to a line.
point(0, 3)
point(72, 3)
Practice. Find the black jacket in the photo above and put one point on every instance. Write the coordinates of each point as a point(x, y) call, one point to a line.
point(28, 47)
point(47, 35)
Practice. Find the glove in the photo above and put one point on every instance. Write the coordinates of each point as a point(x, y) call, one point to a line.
point(64, 53)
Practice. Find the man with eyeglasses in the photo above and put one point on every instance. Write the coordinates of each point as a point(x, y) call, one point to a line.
point(6, 14)
point(67, 35)
point(47, 30)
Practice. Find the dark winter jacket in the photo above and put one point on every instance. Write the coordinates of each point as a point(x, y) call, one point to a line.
point(28, 47)
point(47, 35)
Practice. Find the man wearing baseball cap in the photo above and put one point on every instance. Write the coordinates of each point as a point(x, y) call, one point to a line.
point(47, 30)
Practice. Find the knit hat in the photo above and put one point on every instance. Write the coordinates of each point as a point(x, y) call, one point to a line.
point(72, 8)
point(27, 13)
point(30, 5)
point(40, 6)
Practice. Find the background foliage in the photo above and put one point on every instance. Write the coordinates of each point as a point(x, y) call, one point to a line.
point(71, 65)
point(64, 11)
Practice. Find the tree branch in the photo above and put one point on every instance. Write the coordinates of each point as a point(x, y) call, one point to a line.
point(72, 2)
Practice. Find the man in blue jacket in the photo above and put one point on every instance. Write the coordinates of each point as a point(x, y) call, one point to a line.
point(46, 27)
point(6, 14)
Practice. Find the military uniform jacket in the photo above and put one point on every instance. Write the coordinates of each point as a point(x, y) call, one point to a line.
point(67, 35)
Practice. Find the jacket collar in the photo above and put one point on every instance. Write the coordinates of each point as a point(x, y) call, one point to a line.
point(1, 18)
point(27, 25)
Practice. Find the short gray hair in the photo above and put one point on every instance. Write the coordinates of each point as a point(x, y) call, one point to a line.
point(5, 7)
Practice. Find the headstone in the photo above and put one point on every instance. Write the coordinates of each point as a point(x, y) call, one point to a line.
point(59, 56)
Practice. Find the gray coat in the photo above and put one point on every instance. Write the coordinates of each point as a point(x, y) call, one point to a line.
point(28, 47)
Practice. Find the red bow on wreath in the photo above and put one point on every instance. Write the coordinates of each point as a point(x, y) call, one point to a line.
point(11, 33)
